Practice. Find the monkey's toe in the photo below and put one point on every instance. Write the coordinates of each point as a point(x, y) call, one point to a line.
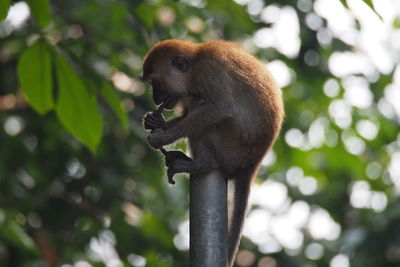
point(170, 173)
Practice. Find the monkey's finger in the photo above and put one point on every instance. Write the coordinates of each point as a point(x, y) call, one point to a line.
point(150, 126)
point(151, 117)
point(147, 121)
point(155, 121)
point(151, 113)
point(158, 124)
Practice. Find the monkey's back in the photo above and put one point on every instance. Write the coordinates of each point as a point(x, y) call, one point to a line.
point(252, 96)
point(257, 98)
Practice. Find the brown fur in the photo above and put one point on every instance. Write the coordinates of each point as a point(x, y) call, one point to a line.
point(233, 112)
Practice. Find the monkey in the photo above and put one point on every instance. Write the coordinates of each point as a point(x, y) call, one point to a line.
point(232, 112)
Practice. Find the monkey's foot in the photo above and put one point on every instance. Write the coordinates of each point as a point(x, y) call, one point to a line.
point(154, 120)
point(177, 162)
point(178, 166)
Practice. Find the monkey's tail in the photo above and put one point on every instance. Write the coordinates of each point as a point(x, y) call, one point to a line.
point(242, 183)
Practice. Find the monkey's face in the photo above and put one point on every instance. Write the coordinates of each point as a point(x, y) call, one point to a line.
point(169, 85)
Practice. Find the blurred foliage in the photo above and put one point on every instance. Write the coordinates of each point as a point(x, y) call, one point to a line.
point(80, 187)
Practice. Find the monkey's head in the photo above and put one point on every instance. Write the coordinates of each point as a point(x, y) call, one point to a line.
point(167, 69)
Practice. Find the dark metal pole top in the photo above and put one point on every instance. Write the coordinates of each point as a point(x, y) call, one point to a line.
point(208, 220)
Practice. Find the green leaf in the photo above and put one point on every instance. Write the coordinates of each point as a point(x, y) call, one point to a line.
point(371, 5)
point(34, 72)
point(108, 93)
point(344, 3)
point(15, 234)
point(41, 12)
point(4, 6)
point(396, 23)
point(76, 107)
point(368, 2)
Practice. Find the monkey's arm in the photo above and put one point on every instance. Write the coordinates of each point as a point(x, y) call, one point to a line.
point(199, 119)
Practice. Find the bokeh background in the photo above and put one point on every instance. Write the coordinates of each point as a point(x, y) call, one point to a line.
point(80, 187)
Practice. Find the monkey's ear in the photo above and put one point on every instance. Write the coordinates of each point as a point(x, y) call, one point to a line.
point(180, 62)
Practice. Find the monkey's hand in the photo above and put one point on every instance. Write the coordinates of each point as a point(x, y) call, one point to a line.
point(156, 138)
point(176, 161)
point(154, 120)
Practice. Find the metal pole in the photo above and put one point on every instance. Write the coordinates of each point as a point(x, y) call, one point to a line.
point(208, 220)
